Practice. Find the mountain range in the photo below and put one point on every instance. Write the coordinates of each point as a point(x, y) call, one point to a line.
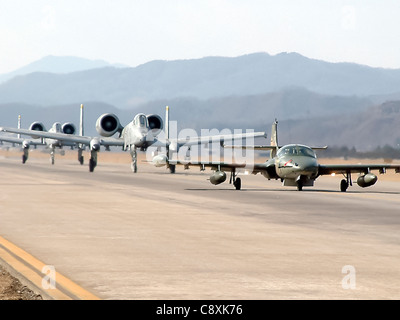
point(62, 65)
point(336, 103)
point(204, 78)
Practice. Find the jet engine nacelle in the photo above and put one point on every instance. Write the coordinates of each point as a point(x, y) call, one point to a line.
point(68, 128)
point(155, 123)
point(38, 126)
point(367, 180)
point(108, 124)
point(218, 177)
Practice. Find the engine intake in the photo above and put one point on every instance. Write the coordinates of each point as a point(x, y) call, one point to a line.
point(108, 124)
point(155, 123)
point(38, 126)
point(68, 128)
point(367, 180)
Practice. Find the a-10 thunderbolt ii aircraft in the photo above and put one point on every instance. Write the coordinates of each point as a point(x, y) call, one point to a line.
point(139, 134)
point(295, 164)
point(57, 127)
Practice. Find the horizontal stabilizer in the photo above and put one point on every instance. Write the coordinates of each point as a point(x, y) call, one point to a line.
point(319, 148)
point(252, 147)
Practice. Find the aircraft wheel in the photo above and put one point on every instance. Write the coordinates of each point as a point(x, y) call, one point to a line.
point(172, 168)
point(24, 158)
point(343, 185)
point(238, 184)
point(299, 185)
point(92, 164)
point(81, 160)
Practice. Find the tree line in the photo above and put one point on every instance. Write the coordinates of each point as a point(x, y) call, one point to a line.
point(386, 152)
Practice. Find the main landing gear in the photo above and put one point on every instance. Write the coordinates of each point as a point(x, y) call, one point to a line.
point(134, 159)
point(345, 183)
point(299, 185)
point(237, 182)
point(52, 155)
point(25, 155)
point(80, 156)
point(92, 160)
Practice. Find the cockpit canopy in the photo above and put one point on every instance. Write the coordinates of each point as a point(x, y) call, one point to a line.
point(141, 121)
point(296, 150)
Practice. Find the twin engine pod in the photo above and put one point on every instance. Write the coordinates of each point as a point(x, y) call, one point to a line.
point(108, 124)
point(218, 177)
point(37, 126)
point(367, 180)
point(67, 128)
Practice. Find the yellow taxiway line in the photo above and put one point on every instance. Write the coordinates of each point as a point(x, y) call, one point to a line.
point(53, 284)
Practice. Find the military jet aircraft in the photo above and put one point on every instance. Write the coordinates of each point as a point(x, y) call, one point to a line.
point(35, 127)
point(139, 134)
point(294, 164)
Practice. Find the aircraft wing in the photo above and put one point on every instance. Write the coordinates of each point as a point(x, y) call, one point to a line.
point(65, 137)
point(262, 147)
point(356, 168)
point(19, 140)
point(251, 147)
point(217, 138)
point(112, 142)
point(224, 166)
point(50, 135)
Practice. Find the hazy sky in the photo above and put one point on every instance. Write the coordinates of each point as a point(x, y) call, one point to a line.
point(133, 32)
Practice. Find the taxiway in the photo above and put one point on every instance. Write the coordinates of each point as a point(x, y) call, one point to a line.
point(153, 235)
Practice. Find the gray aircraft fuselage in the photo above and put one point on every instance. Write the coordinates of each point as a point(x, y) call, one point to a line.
point(138, 133)
point(294, 161)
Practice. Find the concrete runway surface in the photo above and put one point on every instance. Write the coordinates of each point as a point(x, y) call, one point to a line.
point(153, 235)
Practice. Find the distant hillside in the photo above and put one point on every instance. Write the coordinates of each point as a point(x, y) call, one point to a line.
point(205, 78)
point(54, 64)
point(365, 130)
point(257, 111)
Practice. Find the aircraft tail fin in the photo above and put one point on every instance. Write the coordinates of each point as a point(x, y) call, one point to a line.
point(19, 126)
point(81, 128)
point(167, 123)
point(274, 138)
